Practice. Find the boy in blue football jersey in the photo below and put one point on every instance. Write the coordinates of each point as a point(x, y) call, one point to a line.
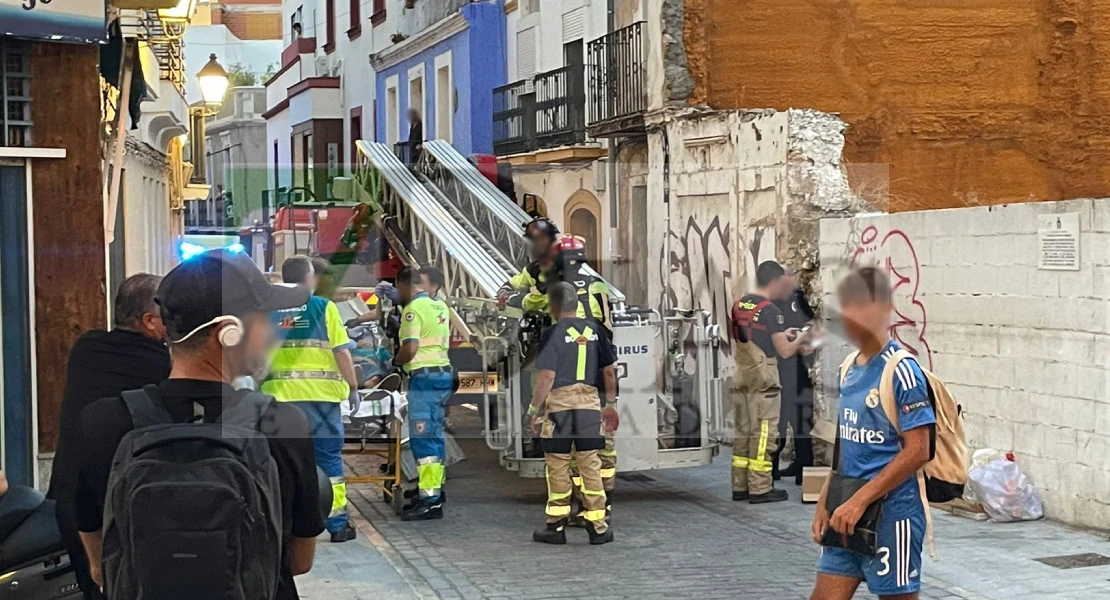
point(871, 449)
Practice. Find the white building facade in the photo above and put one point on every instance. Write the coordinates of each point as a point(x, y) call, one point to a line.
point(322, 98)
point(541, 117)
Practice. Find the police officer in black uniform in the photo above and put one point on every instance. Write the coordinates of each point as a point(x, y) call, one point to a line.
point(797, 388)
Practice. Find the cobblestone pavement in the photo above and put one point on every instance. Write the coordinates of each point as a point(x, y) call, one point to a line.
point(679, 535)
point(363, 569)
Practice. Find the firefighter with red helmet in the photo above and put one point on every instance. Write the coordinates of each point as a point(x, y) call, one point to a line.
point(593, 304)
point(562, 257)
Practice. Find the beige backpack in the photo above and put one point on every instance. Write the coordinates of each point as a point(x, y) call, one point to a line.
point(943, 478)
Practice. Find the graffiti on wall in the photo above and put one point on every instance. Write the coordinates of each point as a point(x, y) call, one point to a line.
point(699, 270)
point(895, 253)
point(702, 271)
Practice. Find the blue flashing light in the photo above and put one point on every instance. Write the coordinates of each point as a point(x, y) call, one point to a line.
point(189, 251)
point(236, 248)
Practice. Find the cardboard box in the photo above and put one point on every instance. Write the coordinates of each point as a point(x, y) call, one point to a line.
point(813, 479)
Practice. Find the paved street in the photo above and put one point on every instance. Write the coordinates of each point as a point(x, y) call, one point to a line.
point(678, 535)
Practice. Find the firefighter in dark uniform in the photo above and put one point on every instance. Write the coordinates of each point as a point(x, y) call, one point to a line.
point(593, 304)
point(762, 338)
point(797, 388)
point(575, 360)
point(565, 261)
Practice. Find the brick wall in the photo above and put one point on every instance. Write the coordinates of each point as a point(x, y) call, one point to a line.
point(1026, 351)
point(249, 23)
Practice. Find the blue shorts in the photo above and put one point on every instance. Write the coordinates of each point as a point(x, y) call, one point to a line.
point(896, 568)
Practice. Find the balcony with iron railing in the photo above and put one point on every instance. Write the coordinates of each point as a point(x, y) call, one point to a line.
point(617, 83)
point(548, 114)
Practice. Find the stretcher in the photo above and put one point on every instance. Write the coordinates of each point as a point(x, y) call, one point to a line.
point(377, 426)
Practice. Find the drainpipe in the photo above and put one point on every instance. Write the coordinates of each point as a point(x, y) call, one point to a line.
point(611, 174)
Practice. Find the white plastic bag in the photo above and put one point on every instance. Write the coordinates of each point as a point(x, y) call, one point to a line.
point(1005, 492)
point(980, 458)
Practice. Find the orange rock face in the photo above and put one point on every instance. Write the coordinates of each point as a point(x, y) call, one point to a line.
point(967, 101)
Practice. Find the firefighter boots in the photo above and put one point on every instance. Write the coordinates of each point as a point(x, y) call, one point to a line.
point(596, 538)
point(554, 533)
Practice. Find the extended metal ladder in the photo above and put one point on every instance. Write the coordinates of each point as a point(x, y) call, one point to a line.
point(489, 211)
point(471, 269)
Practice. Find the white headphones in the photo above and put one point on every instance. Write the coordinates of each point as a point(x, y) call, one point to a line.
point(229, 336)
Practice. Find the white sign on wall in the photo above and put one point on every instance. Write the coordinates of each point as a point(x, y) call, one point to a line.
point(1058, 242)
point(61, 20)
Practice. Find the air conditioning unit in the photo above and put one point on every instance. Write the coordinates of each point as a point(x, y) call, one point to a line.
point(336, 68)
point(531, 6)
point(322, 66)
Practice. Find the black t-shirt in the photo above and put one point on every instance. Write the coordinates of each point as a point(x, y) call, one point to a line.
point(765, 322)
point(101, 365)
point(794, 371)
point(102, 425)
point(559, 352)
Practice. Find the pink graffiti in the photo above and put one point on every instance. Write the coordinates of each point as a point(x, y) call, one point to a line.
point(896, 252)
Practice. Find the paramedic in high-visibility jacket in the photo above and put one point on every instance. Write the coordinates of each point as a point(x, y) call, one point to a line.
point(425, 338)
point(313, 369)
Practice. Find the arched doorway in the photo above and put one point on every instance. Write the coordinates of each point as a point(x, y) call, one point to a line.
point(582, 215)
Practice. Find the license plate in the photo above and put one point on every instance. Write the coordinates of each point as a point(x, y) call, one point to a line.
point(471, 383)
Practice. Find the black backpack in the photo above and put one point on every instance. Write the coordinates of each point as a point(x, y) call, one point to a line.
point(193, 509)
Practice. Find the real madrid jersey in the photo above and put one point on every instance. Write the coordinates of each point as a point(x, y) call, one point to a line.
point(868, 441)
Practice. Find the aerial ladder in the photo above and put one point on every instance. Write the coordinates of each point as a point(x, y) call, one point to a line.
point(442, 211)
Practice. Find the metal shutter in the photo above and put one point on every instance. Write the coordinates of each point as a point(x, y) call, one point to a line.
point(526, 55)
point(574, 25)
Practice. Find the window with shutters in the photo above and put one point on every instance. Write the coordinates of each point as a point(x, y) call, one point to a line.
point(15, 94)
point(574, 25)
point(355, 13)
point(378, 16)
point(329, 12)
point(526, 56)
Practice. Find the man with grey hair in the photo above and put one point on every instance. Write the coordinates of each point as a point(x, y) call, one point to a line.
point(104, 364)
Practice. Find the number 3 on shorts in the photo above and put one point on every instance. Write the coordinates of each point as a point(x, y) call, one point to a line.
point(884, 557)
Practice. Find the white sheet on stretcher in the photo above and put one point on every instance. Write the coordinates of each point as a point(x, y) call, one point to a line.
point(376, 408)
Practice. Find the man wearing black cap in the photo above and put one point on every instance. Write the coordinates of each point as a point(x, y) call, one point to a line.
point(216, 308)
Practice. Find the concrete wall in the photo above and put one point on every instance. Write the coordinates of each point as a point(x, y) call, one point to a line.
point(976, 102)
point(1025, 351)
point(557, 184)
point(409, 21)
point(239, 156)
point(745, 186)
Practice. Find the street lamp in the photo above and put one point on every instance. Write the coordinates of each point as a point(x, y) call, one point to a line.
point(180, 13)
point(213, 85)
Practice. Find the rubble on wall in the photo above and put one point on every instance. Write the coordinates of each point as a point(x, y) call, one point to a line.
point(815, 148)
point(679, 84)
point(817, 186)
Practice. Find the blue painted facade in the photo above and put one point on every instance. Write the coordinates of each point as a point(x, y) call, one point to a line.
point(478, 58)
point(19, 428)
